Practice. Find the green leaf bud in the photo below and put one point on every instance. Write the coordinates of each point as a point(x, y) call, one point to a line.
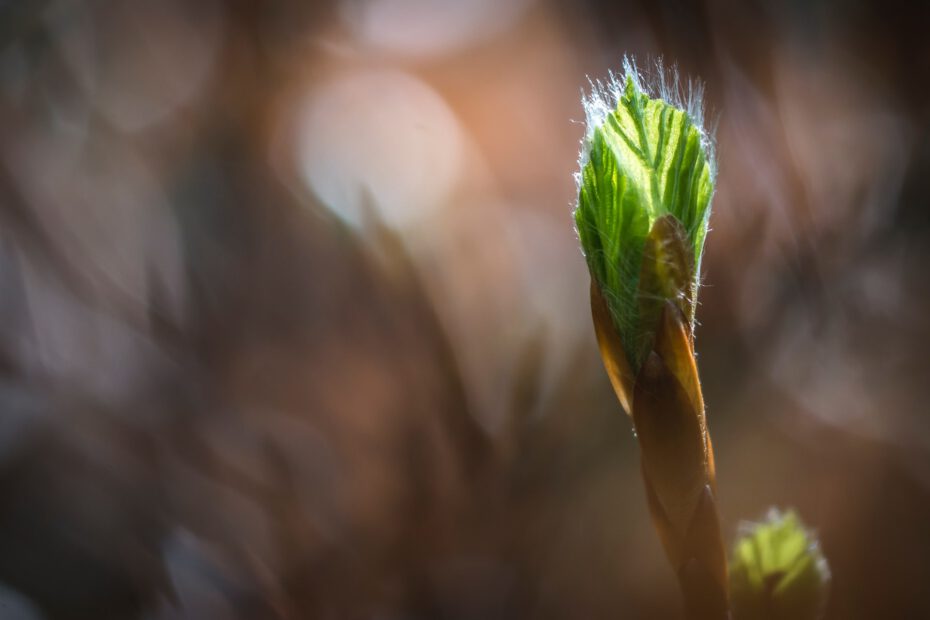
point(778, 572)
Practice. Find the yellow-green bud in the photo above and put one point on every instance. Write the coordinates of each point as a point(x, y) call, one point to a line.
point(778, 572)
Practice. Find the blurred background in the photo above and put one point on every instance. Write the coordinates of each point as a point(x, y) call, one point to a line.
point(295, 324)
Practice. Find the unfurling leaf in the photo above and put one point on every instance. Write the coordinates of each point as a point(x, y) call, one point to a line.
point(645, 187)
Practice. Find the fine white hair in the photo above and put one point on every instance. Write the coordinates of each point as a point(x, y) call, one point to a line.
point(659, 83)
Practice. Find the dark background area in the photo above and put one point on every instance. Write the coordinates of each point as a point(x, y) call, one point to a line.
point(294, 324)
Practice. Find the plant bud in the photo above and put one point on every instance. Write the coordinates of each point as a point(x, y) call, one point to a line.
point(778, 571)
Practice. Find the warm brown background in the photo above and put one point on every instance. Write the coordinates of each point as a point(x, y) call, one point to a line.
point(293, 323)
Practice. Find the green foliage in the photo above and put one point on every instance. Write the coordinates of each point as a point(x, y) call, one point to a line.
point(643, 158)
point(778, 572)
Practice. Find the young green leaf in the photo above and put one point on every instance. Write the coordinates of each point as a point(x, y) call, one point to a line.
point(644, 158)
